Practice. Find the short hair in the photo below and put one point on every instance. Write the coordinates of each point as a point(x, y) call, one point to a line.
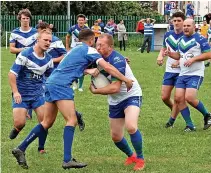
point(44, 31)
point(179, 14)
point(109, 37)
point(96, 21)
point(81, 15)
point(85, 34)
point(43, 25)
point(25, 12)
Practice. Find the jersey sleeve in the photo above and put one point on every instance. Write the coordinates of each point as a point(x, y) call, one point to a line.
point(60, 47)
point(49, 70)
point(164, 40)
point(12, 38)
point(18, 65)
point(120, 64)
point(205, 47)
point(92, 54)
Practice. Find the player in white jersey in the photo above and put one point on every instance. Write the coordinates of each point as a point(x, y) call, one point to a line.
point(74, 32)
point(124, 107)
point(26, 79)
point(171, 39)
point(193, 50)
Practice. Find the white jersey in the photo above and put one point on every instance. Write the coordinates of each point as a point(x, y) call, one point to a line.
point(171, 40)
point(118, 61)
point(190, 47)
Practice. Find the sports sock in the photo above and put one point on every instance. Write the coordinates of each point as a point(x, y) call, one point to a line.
point(81, 80)
point(124, 147)
point(36, 131)
point(200, 107)
point(68, 140)
point(171, 120)
point(136, 140)
point(42, 139)
point(186, 116)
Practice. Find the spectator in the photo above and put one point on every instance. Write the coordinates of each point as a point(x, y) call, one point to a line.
point(1, 29)
point(170, 26)
point(173, 7)
point(113, 24)
point(109, 28)
point(51, 26)
point(101, 24)
point(97, 30)
point(86, 24)
point(204, 29)
point(207, 17)
point(122, 37)
point(140, 27)
point(39, 21)
point(189, 10)
point(167, 10)
point(148, 32)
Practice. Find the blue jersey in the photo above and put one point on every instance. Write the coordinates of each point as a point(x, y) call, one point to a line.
point(74, 31)
point(73, 65)
point(56, 49)
point(171, 40)
point(190, 47)
point(189, 10)
point(148, 29)
point(23, 39)
point(30, 70)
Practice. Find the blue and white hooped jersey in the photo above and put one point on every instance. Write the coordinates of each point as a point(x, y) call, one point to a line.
point(23, 39)
point(148, 29)
point(171, 40)
point(30, 71)
point(56, 49)
point(73, 65)
point(119, 62)
point(189, 47)
point(74, 32)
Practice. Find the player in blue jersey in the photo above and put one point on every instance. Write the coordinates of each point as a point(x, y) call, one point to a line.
point(74, 32)
point(60, 96)
point(193, 50)
point(171, 74)
point(124, 107)
point(23, 36)
point(57, 52)
point(26, 81)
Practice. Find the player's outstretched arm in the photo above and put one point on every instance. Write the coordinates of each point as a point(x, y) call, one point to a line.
point(114, 72)
point(67, 39)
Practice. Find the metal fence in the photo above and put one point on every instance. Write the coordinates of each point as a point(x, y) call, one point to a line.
point(61, 21)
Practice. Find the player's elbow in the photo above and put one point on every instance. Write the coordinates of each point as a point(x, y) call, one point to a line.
point(115, 89)
point(12, 50)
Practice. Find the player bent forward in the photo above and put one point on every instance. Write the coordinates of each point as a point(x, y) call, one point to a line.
point(124, 107)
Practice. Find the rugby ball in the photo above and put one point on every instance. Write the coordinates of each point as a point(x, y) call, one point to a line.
point(100, 81)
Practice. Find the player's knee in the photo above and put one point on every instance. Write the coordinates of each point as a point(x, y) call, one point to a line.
point(165, 97)
point(116, 137)
point(131, 128)
point(19, 123)
point(177, 100)
point(189, 99)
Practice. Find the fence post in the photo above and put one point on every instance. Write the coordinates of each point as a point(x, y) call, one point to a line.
point(153, 42)
point(6, 39)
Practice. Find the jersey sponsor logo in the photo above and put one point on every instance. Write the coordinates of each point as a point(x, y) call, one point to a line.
point(117, 60)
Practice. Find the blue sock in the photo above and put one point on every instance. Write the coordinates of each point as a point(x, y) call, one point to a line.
point(36, 131)
point(42, 139)
point(136, 140)
point(124, 147)
point(186, 116)
point(171, 120)
point(200, 107)
point(68, 140)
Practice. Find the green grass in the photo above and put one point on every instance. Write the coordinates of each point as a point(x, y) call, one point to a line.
point(165, 150)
